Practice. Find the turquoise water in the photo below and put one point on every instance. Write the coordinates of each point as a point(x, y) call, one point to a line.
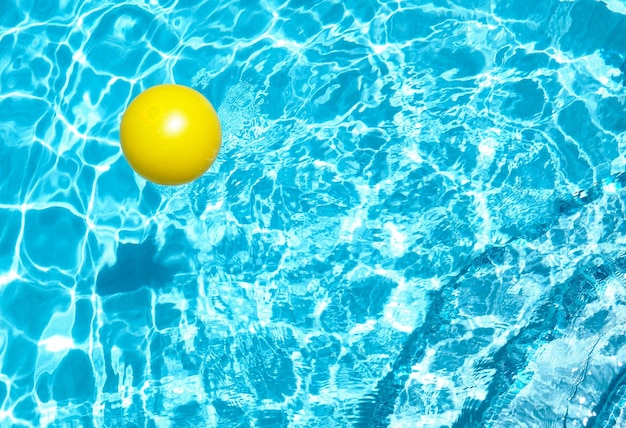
point(416, 218)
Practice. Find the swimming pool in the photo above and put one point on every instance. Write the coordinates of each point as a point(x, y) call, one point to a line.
point(416, 218)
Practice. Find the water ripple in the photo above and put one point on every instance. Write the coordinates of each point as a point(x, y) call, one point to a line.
point(416, 218)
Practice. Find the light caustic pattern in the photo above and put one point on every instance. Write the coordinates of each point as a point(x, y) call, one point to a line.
point(416, 218)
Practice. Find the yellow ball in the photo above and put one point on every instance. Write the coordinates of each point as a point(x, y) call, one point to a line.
point(170, 134)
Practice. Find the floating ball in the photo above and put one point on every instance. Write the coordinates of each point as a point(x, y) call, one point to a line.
point(170, 134)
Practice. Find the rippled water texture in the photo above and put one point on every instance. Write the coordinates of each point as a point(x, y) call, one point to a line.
point(416, 219)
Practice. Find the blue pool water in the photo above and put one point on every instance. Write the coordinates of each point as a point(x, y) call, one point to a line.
point(416, 219)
